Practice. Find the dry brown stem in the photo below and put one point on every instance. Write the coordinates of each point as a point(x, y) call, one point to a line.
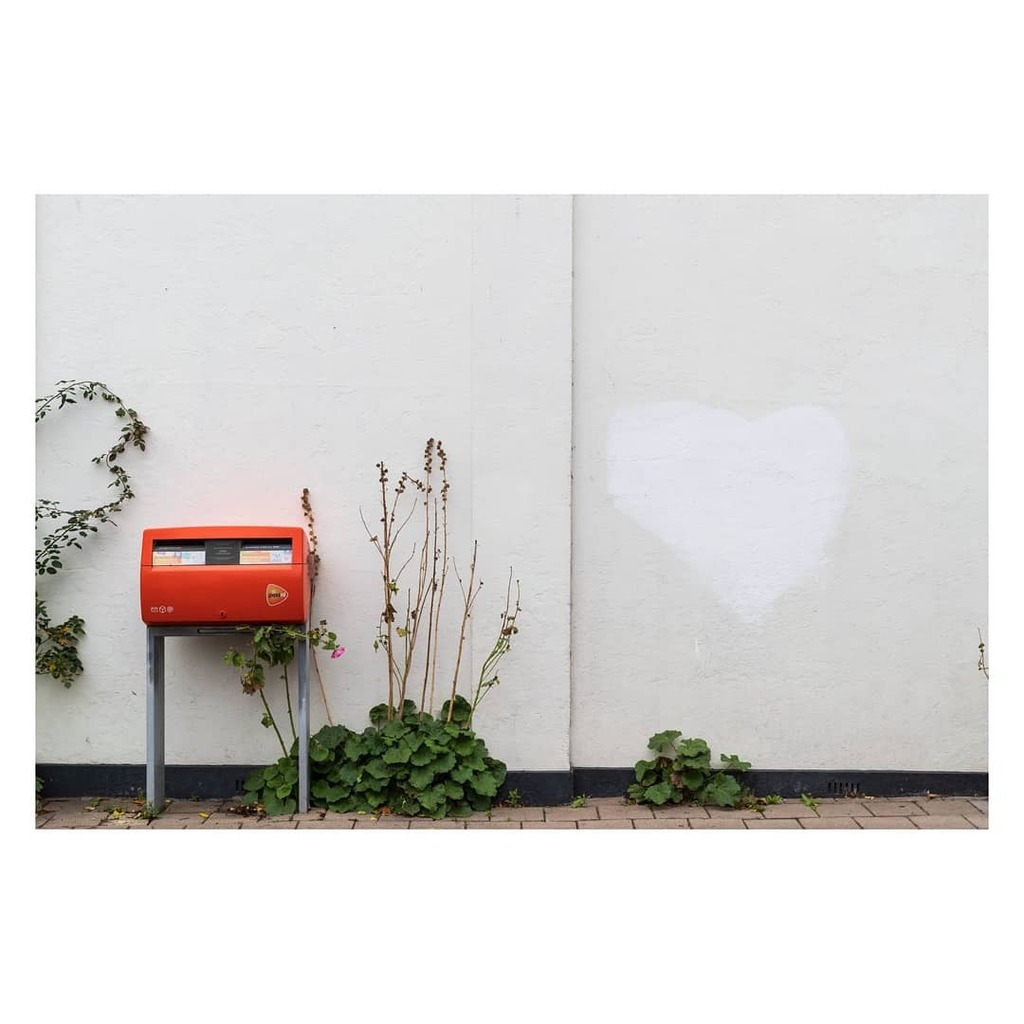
point(468, 597)
point(314, 572)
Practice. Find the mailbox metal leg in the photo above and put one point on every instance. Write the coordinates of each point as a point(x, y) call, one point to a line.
point(154, 719)
point(155, 709)
point(303, 666)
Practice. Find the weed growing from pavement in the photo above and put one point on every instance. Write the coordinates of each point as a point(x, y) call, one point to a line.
point(408, 761)
point(681, 772)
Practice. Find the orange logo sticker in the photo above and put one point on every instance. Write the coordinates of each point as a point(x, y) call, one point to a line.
point(275, 594)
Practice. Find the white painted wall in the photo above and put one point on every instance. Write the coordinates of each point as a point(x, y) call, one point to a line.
point(780, 490)
point(773, 410)
point(278, 343)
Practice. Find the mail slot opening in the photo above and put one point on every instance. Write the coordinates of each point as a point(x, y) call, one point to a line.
point(222, 552)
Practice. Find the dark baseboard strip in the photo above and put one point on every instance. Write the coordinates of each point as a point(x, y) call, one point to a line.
point(789, 783)
point(537, 789)
point(181, 782)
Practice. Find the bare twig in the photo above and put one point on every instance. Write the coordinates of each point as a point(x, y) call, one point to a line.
point(468, 597)
point(502, 645)
point(314, 572)
point(431, 611)
point(388, 613)
point(414, 614)
point(443, 456)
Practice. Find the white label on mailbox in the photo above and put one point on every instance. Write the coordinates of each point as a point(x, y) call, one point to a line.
point(179, 556)
point(266, 553)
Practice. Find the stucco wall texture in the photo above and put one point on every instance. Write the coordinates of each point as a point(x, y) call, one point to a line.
point(735, 449)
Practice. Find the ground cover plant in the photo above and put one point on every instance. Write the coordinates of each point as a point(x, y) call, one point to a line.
point(411, 759)
point(681, 772)
point(415, 765)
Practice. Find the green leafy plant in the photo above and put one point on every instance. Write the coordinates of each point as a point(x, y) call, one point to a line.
point(408, 761)
point(150, 811)
point(274, 789)
point(808, 801)
point(758, 803)
point(414, 764)
point(57, 642)
point(579, 801)
point(512, 799)
point(273, 646)
point(681, 772)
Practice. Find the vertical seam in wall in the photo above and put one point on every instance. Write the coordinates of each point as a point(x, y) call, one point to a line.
point(472, 350)
point(572, 460)
point(472, 382)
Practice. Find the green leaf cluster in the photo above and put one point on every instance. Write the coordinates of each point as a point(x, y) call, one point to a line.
point(275, 788)
point(415, 764)
point(57, 645)
point(272, 645)
point(681, 772)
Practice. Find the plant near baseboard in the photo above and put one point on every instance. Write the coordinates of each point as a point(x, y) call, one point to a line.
point(274, 789)
point(414, 765)
point(150, 812)
point(681, 772)
point(57, 643)
point(273, 646)
point(407, 761)
point(749, 801)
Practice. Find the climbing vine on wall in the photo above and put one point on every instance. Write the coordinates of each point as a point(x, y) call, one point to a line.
point(57, 643)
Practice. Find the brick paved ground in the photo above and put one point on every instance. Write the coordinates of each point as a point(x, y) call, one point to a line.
point(598, 813)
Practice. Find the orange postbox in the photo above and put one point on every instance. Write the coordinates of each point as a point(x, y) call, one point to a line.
point(224, 575)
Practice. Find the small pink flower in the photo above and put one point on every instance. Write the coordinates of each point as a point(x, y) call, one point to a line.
point(337, 652)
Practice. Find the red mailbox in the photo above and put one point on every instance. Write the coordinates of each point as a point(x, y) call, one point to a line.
point(224, 575)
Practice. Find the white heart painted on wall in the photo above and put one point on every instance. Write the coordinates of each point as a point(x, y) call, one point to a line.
point(750, 504)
